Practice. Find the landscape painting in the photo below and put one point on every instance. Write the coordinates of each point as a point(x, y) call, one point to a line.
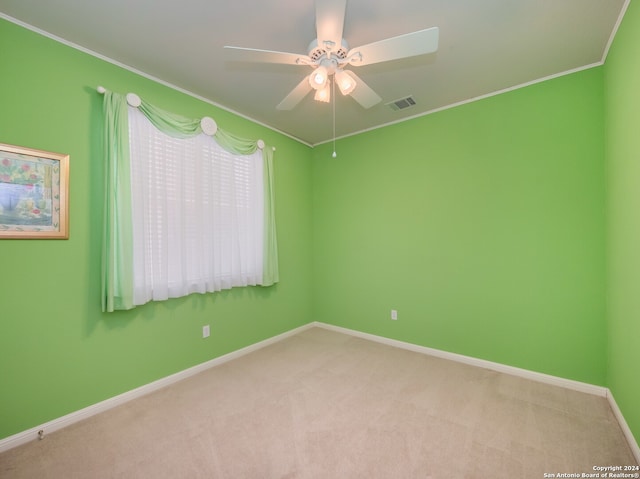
point(33, 193)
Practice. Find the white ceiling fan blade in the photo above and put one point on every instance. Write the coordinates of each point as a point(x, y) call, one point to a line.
point(296, 95)
point(363, 94)
point(330, 22)
point(268, 56)
point(402, 46)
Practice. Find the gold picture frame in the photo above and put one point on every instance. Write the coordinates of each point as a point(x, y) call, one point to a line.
point(34, 193)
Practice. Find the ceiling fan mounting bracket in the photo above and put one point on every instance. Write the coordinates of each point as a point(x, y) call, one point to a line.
point(328, 45)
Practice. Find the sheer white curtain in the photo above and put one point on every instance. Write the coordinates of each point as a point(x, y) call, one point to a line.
point(198, 214)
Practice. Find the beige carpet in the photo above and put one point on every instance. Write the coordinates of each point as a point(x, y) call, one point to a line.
point(325, 405)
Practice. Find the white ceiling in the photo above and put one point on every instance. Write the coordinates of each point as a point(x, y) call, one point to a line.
point(485, 47)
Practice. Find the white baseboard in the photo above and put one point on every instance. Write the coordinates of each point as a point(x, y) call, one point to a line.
point(76, 416)
point(502, 368)
point(625, 427)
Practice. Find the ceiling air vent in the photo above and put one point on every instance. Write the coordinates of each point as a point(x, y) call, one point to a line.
point(402, 103)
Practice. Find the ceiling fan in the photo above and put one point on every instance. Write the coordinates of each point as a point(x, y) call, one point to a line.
point(329, 54)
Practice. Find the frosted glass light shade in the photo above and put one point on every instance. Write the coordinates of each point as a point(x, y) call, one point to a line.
point(345, 82)
point(323, 95)
point(318, 79)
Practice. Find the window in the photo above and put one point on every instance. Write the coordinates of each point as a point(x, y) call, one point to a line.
point(183, 214)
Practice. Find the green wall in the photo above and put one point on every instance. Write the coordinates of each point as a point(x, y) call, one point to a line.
point(483, 225)
point(622, 87)
point(58, 352)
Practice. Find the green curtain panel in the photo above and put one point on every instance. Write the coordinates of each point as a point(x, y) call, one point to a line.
point(117, 248)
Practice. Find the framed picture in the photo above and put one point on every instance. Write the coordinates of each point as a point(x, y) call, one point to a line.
point(34, 193)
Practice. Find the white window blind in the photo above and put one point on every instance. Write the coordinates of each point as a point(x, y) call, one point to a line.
point(198, 214)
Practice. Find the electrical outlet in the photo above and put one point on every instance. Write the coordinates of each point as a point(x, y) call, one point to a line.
point(206, 331)
point(394, 314)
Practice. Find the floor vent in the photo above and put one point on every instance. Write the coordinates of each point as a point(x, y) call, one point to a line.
point(402, 103)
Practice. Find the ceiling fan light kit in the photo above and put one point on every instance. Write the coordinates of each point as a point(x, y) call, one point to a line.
point(329, 54)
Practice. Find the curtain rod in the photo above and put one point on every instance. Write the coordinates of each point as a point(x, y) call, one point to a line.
point(208, 124)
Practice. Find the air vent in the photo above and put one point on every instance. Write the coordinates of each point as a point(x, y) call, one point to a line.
point(402, 103)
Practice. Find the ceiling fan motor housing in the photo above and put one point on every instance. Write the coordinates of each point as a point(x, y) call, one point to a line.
point(317, 52)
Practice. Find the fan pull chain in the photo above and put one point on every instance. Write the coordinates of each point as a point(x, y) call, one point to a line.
point(333, 97)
